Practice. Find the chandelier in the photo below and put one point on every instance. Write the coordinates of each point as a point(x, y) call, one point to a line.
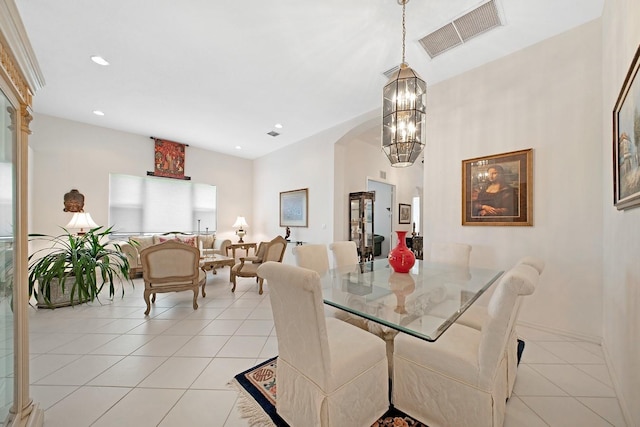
point(404, 100)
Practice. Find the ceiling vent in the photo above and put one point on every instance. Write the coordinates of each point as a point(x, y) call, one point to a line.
point(273, 133)
point(480, 20)
point(390, 71)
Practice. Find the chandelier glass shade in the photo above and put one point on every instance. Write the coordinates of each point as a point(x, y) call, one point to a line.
point(404, 101)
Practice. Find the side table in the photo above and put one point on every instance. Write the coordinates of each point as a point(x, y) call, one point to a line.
point(245, 245)
point(213, 262)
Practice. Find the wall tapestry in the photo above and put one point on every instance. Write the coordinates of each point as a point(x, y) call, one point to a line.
point(169, 159)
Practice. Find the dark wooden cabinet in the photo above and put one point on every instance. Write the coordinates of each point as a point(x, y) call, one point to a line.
point(361, 222)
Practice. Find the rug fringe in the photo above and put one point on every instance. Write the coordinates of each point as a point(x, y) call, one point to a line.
point(249, 408)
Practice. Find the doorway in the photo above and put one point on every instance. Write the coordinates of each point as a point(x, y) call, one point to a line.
point(382, 215)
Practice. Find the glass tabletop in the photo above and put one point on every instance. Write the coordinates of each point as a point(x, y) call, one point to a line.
point(422, 303)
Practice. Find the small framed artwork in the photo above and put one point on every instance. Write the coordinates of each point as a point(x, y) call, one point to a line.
point(498, 189)
point(294, 206)
point(404, 214)
point(626, 141)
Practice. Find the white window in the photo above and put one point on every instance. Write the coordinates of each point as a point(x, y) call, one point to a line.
point(158, 205)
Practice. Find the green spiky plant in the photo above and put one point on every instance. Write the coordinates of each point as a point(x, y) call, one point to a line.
point(84, 262)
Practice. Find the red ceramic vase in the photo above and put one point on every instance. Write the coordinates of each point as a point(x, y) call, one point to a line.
point(401, 258)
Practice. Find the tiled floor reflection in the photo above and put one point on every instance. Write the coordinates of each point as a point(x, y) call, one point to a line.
point(108, 365)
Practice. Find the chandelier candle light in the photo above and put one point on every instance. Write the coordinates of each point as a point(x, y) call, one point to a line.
point(241, 223)
point(403, 111)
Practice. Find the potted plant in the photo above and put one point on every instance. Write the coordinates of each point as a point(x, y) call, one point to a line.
point(74, 268)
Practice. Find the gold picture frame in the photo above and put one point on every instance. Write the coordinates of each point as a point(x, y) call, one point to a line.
point(498, 189)
point(626, 141)
point(294, 207)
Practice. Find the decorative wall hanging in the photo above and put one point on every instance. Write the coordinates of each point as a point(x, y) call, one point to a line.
point(169, 159)
point(73, 201)
point(404, 214)
point(626, 141)
point(294, 207)
point(498, 189)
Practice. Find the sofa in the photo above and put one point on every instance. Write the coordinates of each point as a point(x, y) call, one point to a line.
point(207, 243)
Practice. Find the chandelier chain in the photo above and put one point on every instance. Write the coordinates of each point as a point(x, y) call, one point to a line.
point(404, 31)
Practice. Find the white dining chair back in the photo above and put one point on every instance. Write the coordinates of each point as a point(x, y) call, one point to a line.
point(477, 317)
point(450, 253)
point(329, 373)
point(345, 253)
point(312, 257)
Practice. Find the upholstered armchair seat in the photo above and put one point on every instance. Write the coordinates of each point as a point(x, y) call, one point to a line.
point(248, 266)
point(171, 266)
point(136, 244)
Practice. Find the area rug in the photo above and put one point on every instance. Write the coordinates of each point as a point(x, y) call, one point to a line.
point(258, 392)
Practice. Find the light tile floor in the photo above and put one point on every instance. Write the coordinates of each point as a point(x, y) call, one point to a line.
point(108, 365)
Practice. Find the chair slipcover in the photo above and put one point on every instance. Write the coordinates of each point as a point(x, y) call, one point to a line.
point(312, 257)
point(330, 373)
point(476, 316)
point(171, 266)
point(450, 253)
point(461, 379)
point(344, 253)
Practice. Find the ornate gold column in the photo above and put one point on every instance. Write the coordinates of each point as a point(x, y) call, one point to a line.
point(19, 78)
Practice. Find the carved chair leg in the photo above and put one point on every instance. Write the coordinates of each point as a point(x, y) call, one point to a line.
point(233, 280)
point(146, 299)
point(196, 290)
point(260, 280)
point(153, 298)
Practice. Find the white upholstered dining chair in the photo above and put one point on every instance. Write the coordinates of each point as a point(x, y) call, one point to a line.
point(313, 257)
point(344, 253)
point(450, 253)
point(477, 316)
point(461, 379)
point(329, 373)
point(171, 266)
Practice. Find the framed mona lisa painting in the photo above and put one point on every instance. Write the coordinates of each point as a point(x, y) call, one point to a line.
point(498, 189)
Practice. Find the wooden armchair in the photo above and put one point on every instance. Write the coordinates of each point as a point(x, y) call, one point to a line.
point(273, 251)
point(171, 266)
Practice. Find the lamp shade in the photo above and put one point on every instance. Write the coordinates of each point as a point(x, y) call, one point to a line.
point(240, 222)
point(81, 220)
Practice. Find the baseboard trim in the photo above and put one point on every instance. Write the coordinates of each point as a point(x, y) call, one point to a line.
point(575, 335)
point(624, 407)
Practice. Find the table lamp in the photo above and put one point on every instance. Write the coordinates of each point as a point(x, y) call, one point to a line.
point(81, 220)
point(241, 223)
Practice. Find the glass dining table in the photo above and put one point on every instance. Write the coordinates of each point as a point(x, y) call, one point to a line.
point(422, 303)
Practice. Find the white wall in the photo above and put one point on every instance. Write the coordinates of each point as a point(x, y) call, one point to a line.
point(67, 154)
point(306, 164)
point(545, 97)
point(621, 239)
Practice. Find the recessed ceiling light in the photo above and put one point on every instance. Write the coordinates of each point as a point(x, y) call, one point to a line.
point(238, 147)
point(99, 60)
point(98, 113)
point(278, 126)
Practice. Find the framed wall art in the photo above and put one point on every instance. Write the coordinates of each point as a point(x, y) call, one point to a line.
point(404, 214)
point(498, 189)
point(626, 141)
point(294, 206)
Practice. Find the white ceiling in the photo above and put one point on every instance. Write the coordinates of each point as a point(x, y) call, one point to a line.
point(219, 74)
